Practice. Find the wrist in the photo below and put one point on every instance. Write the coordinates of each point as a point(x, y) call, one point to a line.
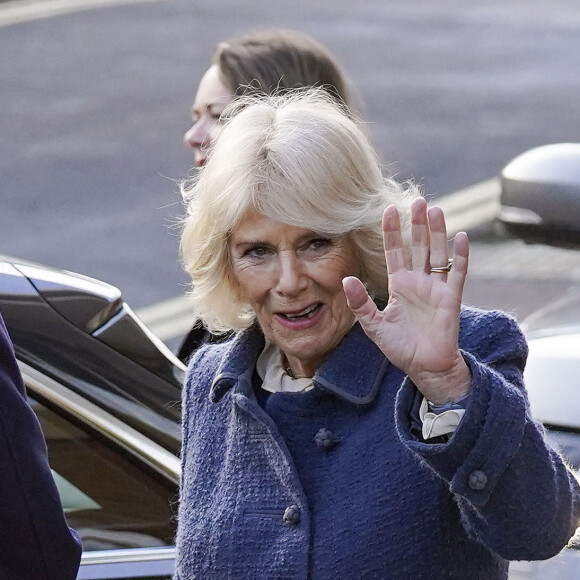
point(455, 405)
point(445, 387)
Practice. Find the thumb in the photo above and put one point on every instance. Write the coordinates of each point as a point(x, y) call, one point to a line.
point(359, 301)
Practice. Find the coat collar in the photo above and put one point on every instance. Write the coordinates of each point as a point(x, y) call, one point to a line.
point(354, 371)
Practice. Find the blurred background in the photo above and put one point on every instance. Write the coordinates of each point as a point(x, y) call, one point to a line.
point(95, 98)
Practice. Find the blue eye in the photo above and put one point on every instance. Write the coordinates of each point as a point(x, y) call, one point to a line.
point(256, 252)
point(319, 243)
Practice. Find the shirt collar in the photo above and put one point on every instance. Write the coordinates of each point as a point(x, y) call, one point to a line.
point(353, 372)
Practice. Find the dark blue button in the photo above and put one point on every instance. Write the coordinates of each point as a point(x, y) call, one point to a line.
point(326, 440)
point(292, 515)
point(477, 480)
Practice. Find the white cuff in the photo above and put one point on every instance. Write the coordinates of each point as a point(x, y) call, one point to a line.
point(435, 425)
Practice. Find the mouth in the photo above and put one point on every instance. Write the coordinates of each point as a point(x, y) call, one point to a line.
point(308, 312)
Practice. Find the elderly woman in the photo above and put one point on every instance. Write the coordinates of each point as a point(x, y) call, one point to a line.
point(361, 423)
point(264, 62)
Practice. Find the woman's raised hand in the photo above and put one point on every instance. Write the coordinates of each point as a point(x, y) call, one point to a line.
point(419, 328)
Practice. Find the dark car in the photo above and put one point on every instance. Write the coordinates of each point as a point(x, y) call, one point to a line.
point(540, 203)
point(107, 393)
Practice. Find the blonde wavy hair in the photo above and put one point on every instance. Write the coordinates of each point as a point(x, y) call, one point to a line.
point(296, 158)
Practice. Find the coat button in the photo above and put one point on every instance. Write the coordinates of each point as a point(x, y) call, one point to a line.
point(326, 440)
point(292, 515)
point(477, 480)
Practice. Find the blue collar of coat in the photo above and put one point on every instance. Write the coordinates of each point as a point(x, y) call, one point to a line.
point(354, 370)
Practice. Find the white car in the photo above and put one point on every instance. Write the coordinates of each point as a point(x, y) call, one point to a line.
point(540, 202)
point(552, 374)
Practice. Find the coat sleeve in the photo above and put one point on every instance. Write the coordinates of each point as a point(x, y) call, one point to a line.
point(515, 494)
point(35, 541)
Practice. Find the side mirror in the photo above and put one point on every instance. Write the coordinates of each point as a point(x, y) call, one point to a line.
point(540, 195)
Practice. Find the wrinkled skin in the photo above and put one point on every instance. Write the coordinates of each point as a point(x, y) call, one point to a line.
point(418, 329)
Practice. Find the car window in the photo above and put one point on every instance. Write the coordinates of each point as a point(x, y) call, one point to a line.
point(110, 500)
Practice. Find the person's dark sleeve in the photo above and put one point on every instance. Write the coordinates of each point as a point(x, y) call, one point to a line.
point(515, 494)
point(196, 338)
point(35, 540)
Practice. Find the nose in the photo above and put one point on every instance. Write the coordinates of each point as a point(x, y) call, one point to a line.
point(291, 275)
point(198, 135)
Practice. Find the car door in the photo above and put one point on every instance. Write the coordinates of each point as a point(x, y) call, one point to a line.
point(118, 488)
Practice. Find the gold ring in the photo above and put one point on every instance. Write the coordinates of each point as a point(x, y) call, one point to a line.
point(442, 269)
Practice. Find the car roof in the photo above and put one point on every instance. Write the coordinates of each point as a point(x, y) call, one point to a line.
point(80, 332)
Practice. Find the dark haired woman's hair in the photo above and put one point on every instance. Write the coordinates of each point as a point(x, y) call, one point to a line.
point(273, 61)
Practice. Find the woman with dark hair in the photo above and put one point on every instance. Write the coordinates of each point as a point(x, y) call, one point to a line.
point(266, 62)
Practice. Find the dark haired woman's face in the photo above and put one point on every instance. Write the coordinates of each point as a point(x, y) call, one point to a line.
point(211, 99)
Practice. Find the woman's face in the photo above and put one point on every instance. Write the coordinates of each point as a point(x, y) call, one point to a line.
point(292, 278)
point(210, 101)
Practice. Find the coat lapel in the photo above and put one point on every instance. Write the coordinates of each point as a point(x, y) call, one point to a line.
point(354, 371)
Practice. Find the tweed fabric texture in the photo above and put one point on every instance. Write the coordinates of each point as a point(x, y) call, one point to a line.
point(260, 498)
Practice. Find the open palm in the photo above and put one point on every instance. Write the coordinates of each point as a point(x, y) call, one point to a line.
point(418, 329)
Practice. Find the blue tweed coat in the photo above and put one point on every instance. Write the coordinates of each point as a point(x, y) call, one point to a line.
point(333, 483)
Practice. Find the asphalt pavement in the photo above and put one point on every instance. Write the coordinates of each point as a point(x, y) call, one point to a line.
point(96, 93)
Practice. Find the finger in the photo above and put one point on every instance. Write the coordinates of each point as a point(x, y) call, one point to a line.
point(438, 235)
point(419, 235)
point(359, 301)
point(458, 272)
point(393, 240)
